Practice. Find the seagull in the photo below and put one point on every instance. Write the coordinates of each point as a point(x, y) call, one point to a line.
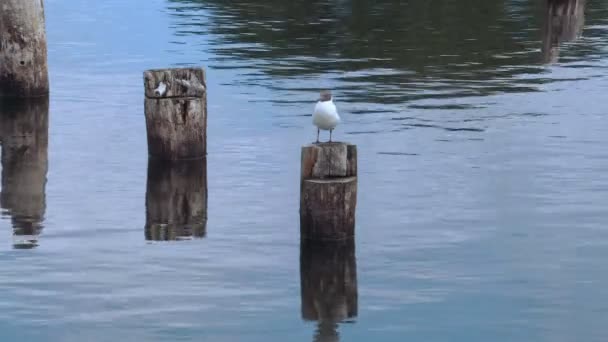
point(326, 115)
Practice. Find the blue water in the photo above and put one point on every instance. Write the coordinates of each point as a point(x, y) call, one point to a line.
point(483, 174)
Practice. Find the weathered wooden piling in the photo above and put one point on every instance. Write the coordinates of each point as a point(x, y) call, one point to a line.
point(24, 140)
point(23, 51)
point(328, 192)
point(564, 22)
point(176, 199)
point(328, 284)
point(176, 113)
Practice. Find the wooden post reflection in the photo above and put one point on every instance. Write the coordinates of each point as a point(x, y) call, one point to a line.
point(564, 22)
point(24, 131)
point(176, 199)
point(328, 280)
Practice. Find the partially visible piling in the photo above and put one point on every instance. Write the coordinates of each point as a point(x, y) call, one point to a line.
point(328, 284)
point(328, 192)
point(23, 51)
point(24, 139)
point(176, 200)
point(176, 113)
point(564, 22)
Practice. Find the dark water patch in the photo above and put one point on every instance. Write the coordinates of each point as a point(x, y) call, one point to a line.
point(513, 89)
point(401, 129)
point(446, 106)
point(532, 114)
point(405, 118)
point(583, 66)
point(551, 80)
point(449, 129)
point(371, 111)
point(291, 115)
point(421, 125)
point(230, 67)
point(463, 129)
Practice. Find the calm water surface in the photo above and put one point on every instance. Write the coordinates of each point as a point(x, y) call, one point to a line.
point(483, 182)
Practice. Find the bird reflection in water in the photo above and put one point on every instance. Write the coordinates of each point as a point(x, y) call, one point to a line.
point(24, 130)
point(328, 280)
point(176, 200)
point(564, 22)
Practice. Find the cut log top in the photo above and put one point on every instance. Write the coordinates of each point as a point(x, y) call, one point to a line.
point(167, 83)
point(329, 160)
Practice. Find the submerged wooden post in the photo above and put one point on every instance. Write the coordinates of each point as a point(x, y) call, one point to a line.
point(328, 193)
point(328, 285)
point(23, 51)
point(564, 22)
point(176, 113)
point(176, 199)
point(24, 128)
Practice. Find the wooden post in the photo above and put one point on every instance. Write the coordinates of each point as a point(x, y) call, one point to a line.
point(23, 52)
point(24, 138)
point(176, 199)
point(328, 285)
point(564, 22)
point(176, 113)
point(328, 193)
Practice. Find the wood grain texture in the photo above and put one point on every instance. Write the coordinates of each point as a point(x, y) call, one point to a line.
point(327, 208)
point(176, 120)
point(176, 128)
point(329, 160)
point(23, 49)
point(176, 199)
point(182, 82)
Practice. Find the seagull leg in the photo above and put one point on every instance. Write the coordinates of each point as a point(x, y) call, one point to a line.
point(331, 130)
point(318, 130)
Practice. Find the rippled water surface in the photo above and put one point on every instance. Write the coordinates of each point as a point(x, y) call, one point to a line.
point(483, 175)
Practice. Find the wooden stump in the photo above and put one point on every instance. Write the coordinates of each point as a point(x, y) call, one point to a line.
point(23, 51)
point(176, 113)
point(329, 160)
point(24, 138)
point(328, 192)
point(328, 284)
point(176, 200)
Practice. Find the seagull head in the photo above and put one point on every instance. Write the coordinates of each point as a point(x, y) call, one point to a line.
point(325, 96)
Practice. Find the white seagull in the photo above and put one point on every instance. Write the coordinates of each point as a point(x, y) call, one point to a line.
point(326, 115)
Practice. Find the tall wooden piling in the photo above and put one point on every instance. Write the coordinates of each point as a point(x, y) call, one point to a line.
point(328, 192)
point(24, 140)
point(176, 113)
point(176, 199)
point(23, 51)
point(328, 285)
